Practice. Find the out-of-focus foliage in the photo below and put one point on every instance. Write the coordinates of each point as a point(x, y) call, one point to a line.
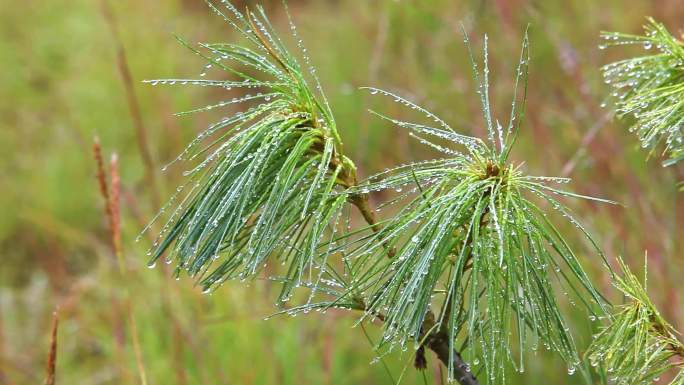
point(61, 86)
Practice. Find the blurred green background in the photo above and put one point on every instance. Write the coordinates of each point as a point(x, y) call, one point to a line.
point(61, 84)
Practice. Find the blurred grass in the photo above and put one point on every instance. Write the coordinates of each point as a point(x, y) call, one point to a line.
point(61, 86)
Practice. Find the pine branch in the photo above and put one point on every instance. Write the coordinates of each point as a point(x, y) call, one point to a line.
point(271, 177)
point(637, 345)
point(475, 229)
point(648, 90)
point(467, 224)
point(272, 182)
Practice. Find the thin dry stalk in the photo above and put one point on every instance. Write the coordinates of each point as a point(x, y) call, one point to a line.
point(136, 344)
point(133, 103)
point(52, 356)
point(102, 183)
point(112, 199)
point(115, 207)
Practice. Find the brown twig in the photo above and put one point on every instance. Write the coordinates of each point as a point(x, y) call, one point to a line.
point(361, 201)
point(438, 342)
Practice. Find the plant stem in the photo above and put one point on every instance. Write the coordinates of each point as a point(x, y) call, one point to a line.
point(52, 356)
point(133, 104)
point(438, 342)
point(361, 203)
point(347, 179)
point(113, 212)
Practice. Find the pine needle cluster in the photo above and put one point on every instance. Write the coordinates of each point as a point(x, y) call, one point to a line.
point(473, 245)
point(638, 345)
point(648, 90)
point(268, 176)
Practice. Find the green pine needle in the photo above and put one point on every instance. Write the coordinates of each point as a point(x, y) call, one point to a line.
point(269, 176)
point(638, 345)
point(649, 89)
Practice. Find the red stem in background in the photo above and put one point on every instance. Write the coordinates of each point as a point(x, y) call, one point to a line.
point(52, 356)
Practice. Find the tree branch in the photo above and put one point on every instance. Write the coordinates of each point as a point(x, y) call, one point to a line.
point(438, 342)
